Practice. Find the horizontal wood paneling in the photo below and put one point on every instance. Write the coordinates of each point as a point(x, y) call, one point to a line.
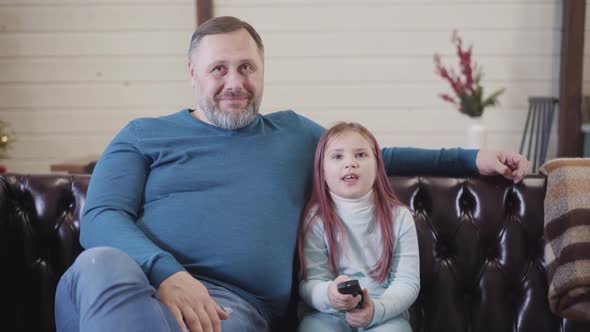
point(343, 17)
point(405, 17)
point(278, 70)
point(257, 2)
point(504, 43)
point(89, 2)
point(93, 69)
point(73, 72)
point(55, 44)
point(64, 147)
point(115, 18)
point(108, 121)
point(221, 3)
point(277, 96)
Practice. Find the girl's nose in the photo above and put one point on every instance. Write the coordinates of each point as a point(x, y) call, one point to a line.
point(351, 164)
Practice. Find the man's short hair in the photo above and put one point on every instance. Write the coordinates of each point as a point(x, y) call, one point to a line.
point(223, 24)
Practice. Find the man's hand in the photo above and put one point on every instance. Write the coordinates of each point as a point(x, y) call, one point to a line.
point(511, 165)
point(362, 317)
point(190, 303)
point(341, 301)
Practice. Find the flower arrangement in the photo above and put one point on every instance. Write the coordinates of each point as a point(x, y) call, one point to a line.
point(469, 98)
point(5, 140)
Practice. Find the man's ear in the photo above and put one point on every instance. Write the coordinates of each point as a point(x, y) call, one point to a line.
point(192, 72)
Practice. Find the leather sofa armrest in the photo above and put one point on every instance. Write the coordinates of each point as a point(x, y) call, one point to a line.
point(39, 230)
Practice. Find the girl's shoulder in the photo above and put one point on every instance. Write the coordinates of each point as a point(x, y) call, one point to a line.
point(402, 216)
point(402, 210)
point(313, 220)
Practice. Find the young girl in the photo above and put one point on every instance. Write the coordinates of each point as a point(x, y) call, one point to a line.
point(355, 228)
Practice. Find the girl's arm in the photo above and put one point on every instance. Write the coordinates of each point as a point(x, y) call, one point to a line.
point(404, 277)
point(314, 289)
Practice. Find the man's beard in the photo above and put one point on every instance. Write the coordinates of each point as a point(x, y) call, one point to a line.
point(229, 120)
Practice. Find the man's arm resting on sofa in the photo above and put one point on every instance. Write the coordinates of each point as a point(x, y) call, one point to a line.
point(455, 162)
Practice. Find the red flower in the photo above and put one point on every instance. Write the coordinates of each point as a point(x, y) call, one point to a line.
point(465, 85)
point(448, 98)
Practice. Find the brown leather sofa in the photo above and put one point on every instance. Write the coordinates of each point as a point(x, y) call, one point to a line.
point(481, 251)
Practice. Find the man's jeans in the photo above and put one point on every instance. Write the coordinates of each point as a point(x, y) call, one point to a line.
point(105, 290)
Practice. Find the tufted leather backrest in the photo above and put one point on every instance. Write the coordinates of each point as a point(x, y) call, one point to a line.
point(481, 255)
point(481, 251)
point(39, 223)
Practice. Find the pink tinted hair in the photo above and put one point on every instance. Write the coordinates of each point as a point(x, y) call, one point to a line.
point(384, 201)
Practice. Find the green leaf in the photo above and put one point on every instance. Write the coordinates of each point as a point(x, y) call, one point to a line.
point(493, 98)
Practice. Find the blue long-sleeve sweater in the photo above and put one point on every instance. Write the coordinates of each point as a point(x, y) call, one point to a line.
point(178, 194)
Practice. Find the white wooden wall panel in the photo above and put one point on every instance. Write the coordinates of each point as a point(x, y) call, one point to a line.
point(284, 44)
point(50, 121)
point(73, 95)
point(149, 94)
point(371, 61)
point(73, 72)
point(279, 70)
point(87, 2)
point(90, 44)
point(402, 17)
point(112, 18)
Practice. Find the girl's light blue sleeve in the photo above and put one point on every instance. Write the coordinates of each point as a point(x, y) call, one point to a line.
point(314, 288)
point(404, 277)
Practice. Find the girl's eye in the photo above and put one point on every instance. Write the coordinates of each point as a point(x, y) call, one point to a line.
point(336, 156)
point(361, 155)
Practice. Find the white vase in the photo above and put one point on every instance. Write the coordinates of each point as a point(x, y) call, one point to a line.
point(476, 134)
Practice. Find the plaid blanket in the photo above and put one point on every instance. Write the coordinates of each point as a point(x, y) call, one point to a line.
point(567, 235)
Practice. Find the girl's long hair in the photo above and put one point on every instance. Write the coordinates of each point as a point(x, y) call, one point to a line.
point(320, 205)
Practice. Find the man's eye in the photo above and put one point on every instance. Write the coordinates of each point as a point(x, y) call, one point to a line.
point(217, 69)
point(247, 67)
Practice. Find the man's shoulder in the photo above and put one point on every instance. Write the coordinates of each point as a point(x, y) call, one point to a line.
point(281, 115)
point(290, 118)
point(147, 120)
point(160, 123)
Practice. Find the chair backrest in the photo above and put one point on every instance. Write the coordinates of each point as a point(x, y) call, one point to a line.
point(537, 129)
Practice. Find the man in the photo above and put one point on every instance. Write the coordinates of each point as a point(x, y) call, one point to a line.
point(203, 205)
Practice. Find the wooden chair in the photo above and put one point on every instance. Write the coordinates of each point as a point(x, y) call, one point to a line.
point(537, 130)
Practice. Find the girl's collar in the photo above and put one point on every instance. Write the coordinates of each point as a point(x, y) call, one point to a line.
point(355, 204)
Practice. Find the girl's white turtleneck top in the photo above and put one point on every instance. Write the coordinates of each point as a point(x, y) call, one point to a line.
point(362, 249)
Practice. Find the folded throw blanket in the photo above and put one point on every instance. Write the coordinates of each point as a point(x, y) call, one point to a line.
point(567, 235)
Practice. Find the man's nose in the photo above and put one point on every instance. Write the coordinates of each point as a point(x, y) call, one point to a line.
point(235, 81)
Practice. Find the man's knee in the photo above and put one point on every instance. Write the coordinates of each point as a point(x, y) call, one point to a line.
point(98, 271)
point(103, 265)
point(101, 259)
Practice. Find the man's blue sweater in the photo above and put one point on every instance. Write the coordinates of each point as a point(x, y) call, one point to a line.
point(178, 194)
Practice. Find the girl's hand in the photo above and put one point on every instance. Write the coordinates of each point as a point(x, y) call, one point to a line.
point(362, 317)
point(341, 301)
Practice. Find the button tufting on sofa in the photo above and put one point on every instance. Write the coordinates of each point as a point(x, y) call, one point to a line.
point(481, 251)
